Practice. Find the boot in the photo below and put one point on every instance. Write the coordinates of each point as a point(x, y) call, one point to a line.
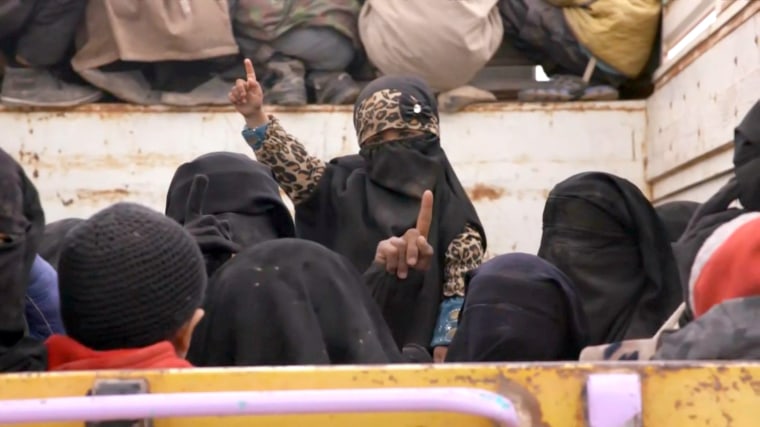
point(456, 99)
point(333, 87)
point(213, 92)
point(286, 82)
point(37, 87)
point(130, 85)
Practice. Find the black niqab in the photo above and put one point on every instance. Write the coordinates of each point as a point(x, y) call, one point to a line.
point(604, 234)
point(675, 216)
point(366, 198)
point(747, 159)
point(240, 191)
point(21, 223)
point(519, 308)
point(290, 302)
point(52, 239)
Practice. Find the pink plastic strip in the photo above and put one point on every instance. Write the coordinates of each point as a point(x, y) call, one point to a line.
point(133, 407)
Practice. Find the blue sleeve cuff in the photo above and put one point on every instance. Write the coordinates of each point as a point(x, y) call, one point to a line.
point(255, 137)
point(448, 318)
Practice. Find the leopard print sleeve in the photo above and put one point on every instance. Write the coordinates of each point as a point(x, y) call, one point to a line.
point(295, 170)
point(464, 253)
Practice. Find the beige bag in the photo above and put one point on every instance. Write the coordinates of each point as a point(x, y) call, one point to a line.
point(154, 30)
point(446, 42)
point(644, 348)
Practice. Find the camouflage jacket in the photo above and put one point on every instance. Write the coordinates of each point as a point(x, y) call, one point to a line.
point(265, 20)
point(729, 331)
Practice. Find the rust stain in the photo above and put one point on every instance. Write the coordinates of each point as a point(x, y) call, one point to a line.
point(526, 404)
point(114, 110)
point(112, 195)
point(485, 192)
point(64, 202)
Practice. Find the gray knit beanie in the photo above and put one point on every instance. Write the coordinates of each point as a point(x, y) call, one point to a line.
point(129, 277)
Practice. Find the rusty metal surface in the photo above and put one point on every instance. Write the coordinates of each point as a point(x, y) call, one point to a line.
point(508, 156)
point(692, 116)
point(546, 395)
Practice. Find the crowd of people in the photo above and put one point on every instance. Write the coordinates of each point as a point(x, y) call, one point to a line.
point(184, 53)
point(384, 262)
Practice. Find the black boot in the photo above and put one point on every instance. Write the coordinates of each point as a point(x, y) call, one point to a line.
point(333, 87)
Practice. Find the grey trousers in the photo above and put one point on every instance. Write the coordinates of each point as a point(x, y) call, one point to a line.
point(319, 48)
point(43, 29)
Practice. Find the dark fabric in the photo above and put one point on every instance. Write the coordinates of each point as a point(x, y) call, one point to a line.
point(290, 302)
point(13, 15)
point(52, 239)
point(68, 355)
point(240, 190)
point(21, 224)
point(728, 331)
point(319, 48)
point(675, 216)
point(213, 236)
point(363, 199)
point(43, 308)
point(129, 277)
point(604, 234)
point(48, 31)
point(539, 31)
point(519, 308)
point(747, 158)
point(710, 215)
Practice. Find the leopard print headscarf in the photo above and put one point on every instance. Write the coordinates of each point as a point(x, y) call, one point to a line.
point(403, 104)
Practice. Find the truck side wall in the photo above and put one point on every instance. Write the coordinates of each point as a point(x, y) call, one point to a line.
point(701, 96)
point(508, 156)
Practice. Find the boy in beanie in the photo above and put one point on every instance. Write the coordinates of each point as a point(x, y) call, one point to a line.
point(131, 283)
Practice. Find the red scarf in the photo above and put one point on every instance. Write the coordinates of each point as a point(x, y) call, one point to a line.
point(65, 354)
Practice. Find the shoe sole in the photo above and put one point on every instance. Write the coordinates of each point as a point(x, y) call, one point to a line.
point(18, 102)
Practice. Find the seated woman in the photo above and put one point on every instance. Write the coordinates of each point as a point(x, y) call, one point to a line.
point(519, 308)
point(227, 201)
point(603, 233)
point(141, 52)
point(353, 202)
point(302, 44)
point(290, 302)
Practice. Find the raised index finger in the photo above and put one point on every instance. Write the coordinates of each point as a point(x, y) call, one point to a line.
point(425, 217)
point(249, 73)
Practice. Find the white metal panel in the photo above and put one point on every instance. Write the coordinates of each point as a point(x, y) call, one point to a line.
point(508, 156)
point(691, 118)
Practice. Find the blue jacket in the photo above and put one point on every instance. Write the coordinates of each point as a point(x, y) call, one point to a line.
point(43, 310)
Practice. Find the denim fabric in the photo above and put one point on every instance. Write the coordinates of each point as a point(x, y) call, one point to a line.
point(43, 311)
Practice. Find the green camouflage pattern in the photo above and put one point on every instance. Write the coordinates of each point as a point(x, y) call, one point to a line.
point(266, 20)
point(729, 331)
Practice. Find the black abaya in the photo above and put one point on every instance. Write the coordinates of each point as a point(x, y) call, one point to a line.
point(21, 224)
point(519, 308)
point(363, 199)
point(604, 234)
point(290, 302)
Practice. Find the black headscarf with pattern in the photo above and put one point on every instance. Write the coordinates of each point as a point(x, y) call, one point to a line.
point(365, 198)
